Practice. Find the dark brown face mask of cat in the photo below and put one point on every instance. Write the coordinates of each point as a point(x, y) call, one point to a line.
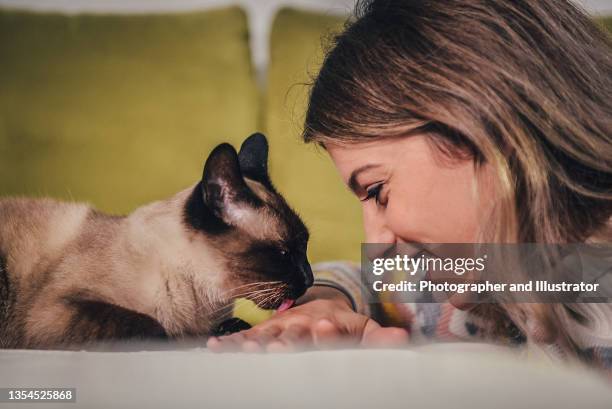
point(257, 237)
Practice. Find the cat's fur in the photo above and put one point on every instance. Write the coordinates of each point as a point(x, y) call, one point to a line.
point(70, 274)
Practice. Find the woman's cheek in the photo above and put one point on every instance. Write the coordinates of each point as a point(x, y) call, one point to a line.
point(429, 221)
point(407, 219)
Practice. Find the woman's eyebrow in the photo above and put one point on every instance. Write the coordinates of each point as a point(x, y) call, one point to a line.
point(352, 181)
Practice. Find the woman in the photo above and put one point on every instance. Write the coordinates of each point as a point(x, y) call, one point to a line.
point(462, 121)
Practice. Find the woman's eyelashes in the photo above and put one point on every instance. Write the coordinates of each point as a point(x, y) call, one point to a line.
point(374, 192)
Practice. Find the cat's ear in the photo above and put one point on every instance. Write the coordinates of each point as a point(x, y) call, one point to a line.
point(223, 186)
point(253, 158)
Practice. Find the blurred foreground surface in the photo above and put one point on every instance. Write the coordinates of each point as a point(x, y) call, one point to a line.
point(437, 376)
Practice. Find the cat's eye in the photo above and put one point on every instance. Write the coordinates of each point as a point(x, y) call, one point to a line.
point(284, 252)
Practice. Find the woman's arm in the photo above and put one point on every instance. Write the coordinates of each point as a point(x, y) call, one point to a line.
point(323, 318)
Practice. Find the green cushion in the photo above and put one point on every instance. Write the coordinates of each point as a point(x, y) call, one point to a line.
point(120, 110)
point(304, 173)
point(606, 22)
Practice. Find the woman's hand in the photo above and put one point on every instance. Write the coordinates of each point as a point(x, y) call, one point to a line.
point(324, 319)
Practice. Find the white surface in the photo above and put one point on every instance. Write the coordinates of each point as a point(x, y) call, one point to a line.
point(439, 376)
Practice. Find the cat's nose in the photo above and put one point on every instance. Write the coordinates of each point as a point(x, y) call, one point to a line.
point(302, 280)
point(307, 275)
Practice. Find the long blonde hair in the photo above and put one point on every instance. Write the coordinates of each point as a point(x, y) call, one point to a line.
point(522, 86)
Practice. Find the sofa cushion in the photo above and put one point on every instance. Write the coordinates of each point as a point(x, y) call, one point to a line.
point(120, 110)
point(606, 22)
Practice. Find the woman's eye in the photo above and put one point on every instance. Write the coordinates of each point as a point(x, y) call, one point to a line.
point(374, 192)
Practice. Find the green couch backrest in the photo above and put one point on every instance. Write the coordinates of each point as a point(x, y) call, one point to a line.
point(120, 110)
point(308, 177)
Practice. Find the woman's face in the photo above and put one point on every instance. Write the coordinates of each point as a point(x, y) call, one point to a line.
point(412, 193)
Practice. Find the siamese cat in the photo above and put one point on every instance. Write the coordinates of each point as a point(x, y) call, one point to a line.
point(70, 275)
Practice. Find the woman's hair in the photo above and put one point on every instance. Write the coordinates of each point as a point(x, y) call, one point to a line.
point(524, 87)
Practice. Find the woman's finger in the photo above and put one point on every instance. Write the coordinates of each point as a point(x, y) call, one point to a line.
point(251, 346)
point(263, 335)
point(326, 334)
point(226, 343)
point(380, 337)
point(213, 344)
point(292, 338)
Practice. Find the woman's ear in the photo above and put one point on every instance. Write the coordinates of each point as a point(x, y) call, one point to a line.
point(223, 186)
point(253, 158)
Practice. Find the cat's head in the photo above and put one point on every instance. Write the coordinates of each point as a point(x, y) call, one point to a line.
point(259, 241)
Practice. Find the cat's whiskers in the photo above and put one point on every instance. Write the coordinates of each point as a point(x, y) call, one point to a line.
point(229, 305)
point(259, 283)
point(247, 294)
point(249, 285)
point(223, 298)
point(259, 297)
point(273, 297)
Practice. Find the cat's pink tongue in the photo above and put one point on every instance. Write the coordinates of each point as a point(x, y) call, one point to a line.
point(285, 305)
